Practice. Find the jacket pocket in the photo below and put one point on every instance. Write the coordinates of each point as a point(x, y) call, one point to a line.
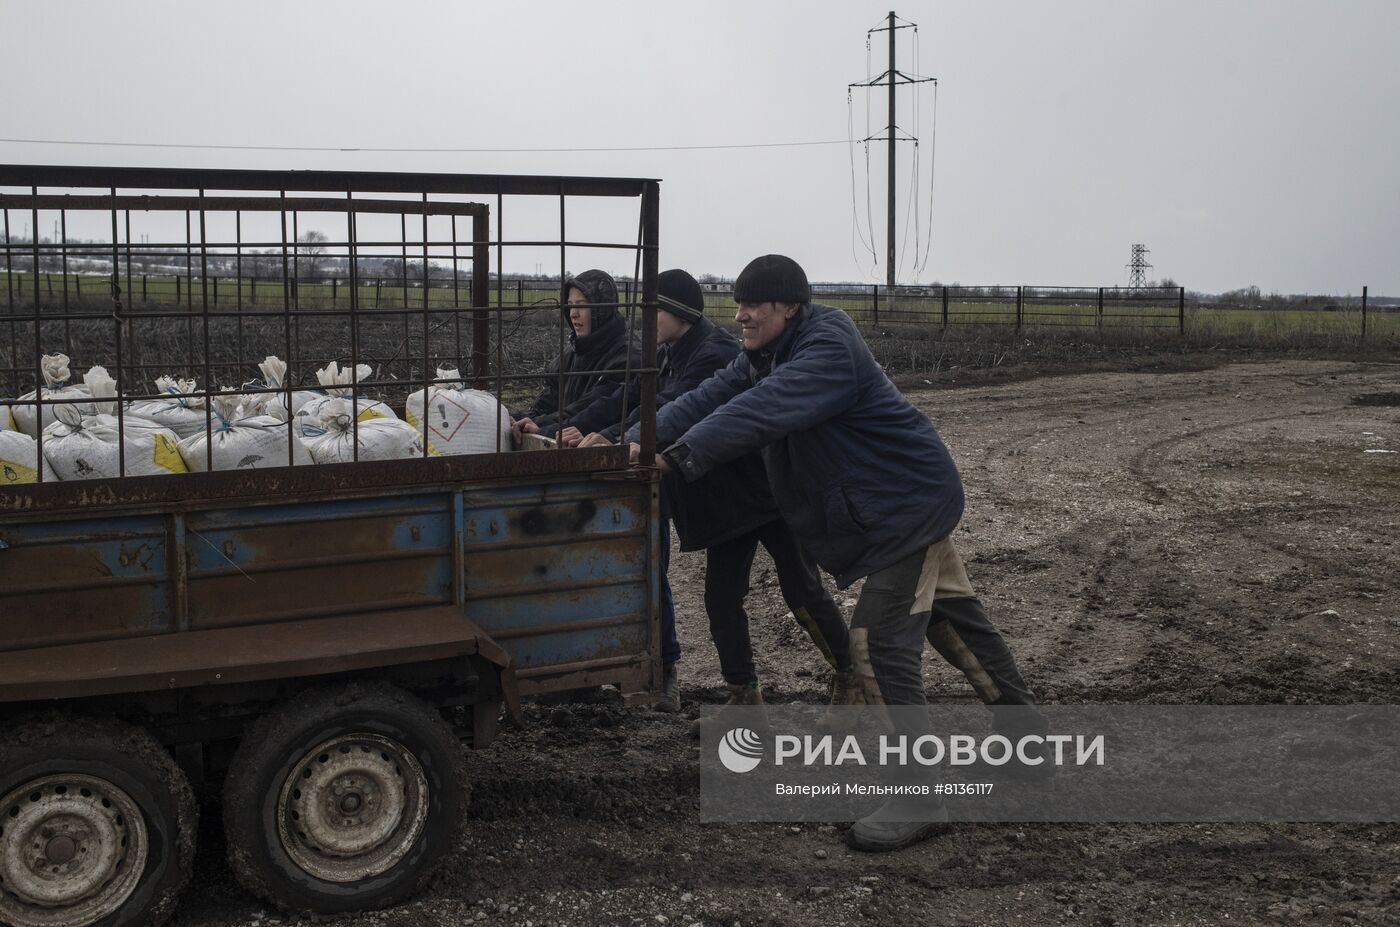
point(841, 515)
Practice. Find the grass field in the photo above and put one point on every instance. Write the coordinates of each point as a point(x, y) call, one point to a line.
point(1156, 317)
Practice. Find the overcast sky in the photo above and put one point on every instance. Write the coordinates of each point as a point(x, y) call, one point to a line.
point(1245, 143)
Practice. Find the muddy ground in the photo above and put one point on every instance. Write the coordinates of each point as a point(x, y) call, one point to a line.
point(1225, 535)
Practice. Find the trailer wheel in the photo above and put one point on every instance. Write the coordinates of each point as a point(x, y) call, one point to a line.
point(97, 825)
point(344, 799)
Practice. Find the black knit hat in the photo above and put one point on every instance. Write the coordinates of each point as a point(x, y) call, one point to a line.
point(680, 295)
point(772, 278)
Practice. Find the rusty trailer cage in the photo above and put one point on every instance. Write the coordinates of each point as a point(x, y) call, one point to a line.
point(84, 296)
point(558, 515)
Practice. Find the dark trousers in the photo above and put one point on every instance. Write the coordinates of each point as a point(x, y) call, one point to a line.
point(670, 642)
point(927, 597)
point(727, 568)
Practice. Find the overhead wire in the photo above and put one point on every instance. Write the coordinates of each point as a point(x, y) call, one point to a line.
point(855, 214)
point(377, 150)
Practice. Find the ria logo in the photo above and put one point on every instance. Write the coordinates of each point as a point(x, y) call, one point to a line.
point(740, 750)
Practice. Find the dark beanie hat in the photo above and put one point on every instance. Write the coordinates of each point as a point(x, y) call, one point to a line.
point(772, 278)
point(680, 294)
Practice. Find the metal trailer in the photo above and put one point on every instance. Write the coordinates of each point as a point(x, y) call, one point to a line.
point(315, 640)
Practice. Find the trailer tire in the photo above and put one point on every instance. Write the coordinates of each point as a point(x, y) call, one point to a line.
point(102, 806)
point(344, 799)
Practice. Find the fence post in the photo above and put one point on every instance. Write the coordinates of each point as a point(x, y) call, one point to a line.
point(875, 301)
point(177, 289)
point(335, 291)
point(1181, 310)
point(216, 289)
point(520, 292)
point(945, 306)
point(143, 289)
point(1020, 307)
point(1098, 311)
point(1364, 291)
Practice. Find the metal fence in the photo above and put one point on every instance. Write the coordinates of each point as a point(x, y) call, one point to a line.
point(1158, 311)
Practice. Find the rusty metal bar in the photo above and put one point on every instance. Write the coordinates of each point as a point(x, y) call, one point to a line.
point(350, 230)
point(38, 349)
point(539, 630)
point(562, 317)
point(117, 319)
point(287, 336)
point(429, 373)
point(481, 301)
point(325, 481)
point(500, 308)
point(650, 256)
point(24, 175)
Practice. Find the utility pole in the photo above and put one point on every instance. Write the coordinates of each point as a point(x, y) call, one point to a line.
point(891, 79)
point(1138, 267)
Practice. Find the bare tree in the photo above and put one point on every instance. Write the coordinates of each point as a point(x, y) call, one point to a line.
point(310, 249)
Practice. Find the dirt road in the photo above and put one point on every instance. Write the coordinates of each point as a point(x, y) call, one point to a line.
point(1229, 535)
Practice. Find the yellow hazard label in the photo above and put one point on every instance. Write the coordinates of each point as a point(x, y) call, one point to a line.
point(12, 472)
point(370, 412)
point(166, 455)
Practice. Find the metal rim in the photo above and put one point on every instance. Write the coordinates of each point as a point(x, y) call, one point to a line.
point(352, 807)
point(73, 848)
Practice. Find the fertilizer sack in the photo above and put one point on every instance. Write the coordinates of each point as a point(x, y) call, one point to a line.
point(19, 459)
point(181, 412)
point(379, 438)
point(274, 376)
point(337, 382)
point(459, 420)
point(54, 368)
point(85, 447)
point(242, 441)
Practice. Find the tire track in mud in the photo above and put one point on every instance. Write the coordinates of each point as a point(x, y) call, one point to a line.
point(1148, 644)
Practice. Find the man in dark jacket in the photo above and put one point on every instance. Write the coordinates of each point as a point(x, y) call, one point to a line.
point(727, 513)
point(596, 361)
point(868, 487)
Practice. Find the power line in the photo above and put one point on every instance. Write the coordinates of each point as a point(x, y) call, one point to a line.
point(55, 141)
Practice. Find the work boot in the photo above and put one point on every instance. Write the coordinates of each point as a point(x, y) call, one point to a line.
point(890, 827)
point(739, 694)
point(846, 692)
point(669, 698)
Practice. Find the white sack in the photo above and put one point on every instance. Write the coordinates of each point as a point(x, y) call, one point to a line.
point(181, 412)
point(460, 420)
point(379, 438)
point(19, 459)
point(242, 441)
point(336, 381)
point(56, 376)
point(274, 375)
point(85, 447)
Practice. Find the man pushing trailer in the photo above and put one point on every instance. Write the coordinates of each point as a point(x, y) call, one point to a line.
point(868, 487)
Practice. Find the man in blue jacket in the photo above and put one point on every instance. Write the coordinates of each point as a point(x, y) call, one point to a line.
point(727, 513)
point(866, 484)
